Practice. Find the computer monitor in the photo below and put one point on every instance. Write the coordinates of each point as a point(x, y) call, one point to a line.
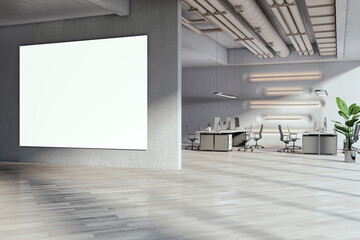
point(237, 122)
point(217, 123)
point(228, 123)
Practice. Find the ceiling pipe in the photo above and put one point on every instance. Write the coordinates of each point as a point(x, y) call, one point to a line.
point(229, 28)
point(286, 12)
point(216, 16)
point(252, 13)
point(292, 26)
point(231, 20)
point(299, 23)
point(194, 21)
point(202, 11)
point(286, 29)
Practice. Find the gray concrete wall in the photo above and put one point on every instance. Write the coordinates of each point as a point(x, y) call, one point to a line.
point(200, 106)
point(159, 19)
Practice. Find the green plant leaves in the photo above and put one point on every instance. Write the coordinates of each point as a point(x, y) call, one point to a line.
point(355, 117)
point(341, 128)
point(351, 116)
point(356, 110)
point(342, 106)
point(351, 123)
point(337, 122)
point(341, 113)
point(352, 108)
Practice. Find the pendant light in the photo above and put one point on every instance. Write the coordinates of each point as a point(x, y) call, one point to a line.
point(221, 94)
point(217, 93)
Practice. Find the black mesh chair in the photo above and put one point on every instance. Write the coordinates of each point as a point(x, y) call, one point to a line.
point(355, 138)
point(192, 138)
point(285, 139)
point(293, 137)
point(246, 139)
point(257, 136)
point(356, 133)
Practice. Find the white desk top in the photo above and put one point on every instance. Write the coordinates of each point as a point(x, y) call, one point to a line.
point(222, 131)
point(320, 133)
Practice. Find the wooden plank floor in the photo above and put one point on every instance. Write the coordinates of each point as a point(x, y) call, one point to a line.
point(236, 195)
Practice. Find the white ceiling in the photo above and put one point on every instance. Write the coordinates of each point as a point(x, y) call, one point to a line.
point(14, 12)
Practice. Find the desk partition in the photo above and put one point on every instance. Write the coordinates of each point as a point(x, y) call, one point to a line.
point(321, 143)
point(221, 140)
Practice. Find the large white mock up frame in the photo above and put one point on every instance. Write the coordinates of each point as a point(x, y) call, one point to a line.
point(85, 94)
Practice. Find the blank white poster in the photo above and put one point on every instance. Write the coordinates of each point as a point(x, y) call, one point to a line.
point(85, 94)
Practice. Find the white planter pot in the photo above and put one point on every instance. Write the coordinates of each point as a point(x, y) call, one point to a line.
point(350, 156)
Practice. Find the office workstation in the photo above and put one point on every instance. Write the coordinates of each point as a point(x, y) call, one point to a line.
point(316, 141)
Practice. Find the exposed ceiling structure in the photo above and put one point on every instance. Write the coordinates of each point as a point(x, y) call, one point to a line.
point(225, 32)
point(217, 13)
point(271, 31)
point(245, 21)
point(323, 21)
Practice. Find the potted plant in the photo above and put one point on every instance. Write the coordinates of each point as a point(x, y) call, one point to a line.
point(351, 116)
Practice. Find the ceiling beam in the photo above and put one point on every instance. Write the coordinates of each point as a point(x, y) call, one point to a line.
point(119, 7)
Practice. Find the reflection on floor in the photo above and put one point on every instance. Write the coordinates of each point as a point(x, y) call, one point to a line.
point(236, 195)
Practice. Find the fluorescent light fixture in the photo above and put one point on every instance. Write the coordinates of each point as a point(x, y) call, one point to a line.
point(258, 104)
point(321, 93)
point(271, 91)
point(221, 94)
point(273, 77)
point(284, 117)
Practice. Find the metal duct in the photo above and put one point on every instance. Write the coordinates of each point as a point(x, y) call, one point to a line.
point(287, 13)
point(230, 22)
point(226, 21)
point(252, 13)
point(300, 25)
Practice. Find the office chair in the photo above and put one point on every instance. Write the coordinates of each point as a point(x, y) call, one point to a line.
point(293, 137)
point(285, 139)
point(257, 137)
point(192, 138)
point(246, 139)
point(355, 138)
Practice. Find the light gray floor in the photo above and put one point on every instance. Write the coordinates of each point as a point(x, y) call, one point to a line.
point(235, 195)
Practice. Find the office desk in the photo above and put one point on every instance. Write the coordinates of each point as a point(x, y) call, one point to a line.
point(222, 140)
point(319, 143)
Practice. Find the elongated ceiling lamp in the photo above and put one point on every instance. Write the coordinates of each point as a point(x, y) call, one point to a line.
point(217, 93)
point(296, 76)
point(221, 94)
point(273, 91)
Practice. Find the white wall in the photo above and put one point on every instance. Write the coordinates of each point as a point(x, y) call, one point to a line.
point(200, 106)
point(160, 20)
